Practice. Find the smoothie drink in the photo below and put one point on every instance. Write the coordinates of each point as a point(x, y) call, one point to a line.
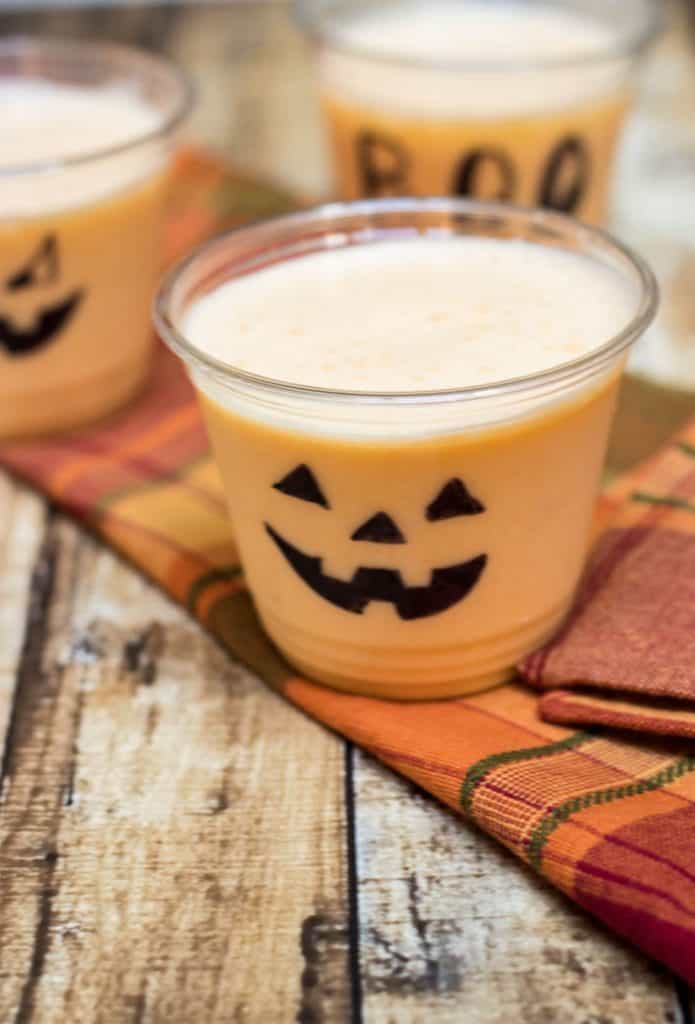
point(409, 403)
point(84, 170)
point(520, 101)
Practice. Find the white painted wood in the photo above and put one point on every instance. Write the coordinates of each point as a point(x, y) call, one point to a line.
point(173, 837)
point(166, 845)
point(453, 929)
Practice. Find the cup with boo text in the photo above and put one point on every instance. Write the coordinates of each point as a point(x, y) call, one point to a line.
point(339, 498)
point(80, 225)
point(520, 102)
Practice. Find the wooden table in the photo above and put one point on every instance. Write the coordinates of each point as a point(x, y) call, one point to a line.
point(179, 845)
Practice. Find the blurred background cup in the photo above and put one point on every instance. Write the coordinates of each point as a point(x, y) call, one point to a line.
point(521, 101)
point(80, 225)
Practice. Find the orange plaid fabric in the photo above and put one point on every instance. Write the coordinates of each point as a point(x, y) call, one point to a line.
point(607, 818)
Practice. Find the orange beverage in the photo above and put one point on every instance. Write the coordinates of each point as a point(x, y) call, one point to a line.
point(84, 170)
point(409, 402)
point(520, 101)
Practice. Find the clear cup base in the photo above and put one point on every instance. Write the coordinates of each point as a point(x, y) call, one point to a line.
point(53, 410)
point(416, 675)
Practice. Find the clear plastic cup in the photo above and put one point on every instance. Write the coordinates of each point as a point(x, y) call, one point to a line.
point(537, 124)
point(80, 238)
point(500, 581)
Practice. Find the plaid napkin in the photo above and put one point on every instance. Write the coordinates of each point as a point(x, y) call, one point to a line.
point(607, 818)
point(626, 655)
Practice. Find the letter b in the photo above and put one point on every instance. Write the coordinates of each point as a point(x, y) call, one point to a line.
point(382, 164)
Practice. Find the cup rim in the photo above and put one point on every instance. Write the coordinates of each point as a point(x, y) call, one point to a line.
point(629, 45)
point(321, 218)
point(23, 46)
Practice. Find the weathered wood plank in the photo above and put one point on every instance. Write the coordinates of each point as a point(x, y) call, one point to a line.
point(22, 518)
point(452, 929)
point(140, 24)
point(172, 833)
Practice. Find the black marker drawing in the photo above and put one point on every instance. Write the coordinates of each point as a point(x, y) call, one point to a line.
point(484, 164)
point(483, 172)
point(565, 179)
point(40, 271)
point(382, 163)
point(448, 585)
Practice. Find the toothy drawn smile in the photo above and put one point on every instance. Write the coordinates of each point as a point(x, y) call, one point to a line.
point(449, 585)
point(47, 325)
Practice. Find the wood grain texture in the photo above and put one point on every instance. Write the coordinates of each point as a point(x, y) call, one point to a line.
point(176, 844)
point(22, 518)
point(452, 929)
point(169, 851)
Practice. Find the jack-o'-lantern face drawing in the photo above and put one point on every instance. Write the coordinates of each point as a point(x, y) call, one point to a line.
point(39, 278)
point(448, 586)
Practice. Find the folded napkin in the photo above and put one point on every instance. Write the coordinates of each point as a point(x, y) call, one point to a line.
point(628, 648)
point(607, 817)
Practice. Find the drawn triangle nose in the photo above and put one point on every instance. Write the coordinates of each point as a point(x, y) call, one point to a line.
point(379, 529)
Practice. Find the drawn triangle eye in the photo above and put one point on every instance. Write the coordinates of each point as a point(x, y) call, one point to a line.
point(301, 483)
point(41, 269)
point(454, 499)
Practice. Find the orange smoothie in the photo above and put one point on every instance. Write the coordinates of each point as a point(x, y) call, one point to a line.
point(83, 182)
point(410, 419)
point(509, 101)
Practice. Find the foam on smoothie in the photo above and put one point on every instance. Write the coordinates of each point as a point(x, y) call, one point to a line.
point(413, 315)
point(43, 122)
point(497, 54)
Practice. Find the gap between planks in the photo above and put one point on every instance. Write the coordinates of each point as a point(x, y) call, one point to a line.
point(111, 806)
point(169, 852)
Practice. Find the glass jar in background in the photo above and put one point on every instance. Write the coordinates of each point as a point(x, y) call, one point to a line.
point(521, 102)
point(89, 132)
